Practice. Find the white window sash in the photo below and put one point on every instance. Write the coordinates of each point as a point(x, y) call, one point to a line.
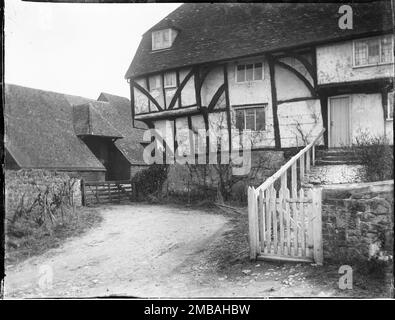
point(245, 72)
point(244, 109)
point(380, 56)
point(161, 43)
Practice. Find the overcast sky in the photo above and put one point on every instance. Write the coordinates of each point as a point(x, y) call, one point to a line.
point(79, 49)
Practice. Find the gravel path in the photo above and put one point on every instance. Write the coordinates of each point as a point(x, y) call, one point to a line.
point(165, 251)
point(134, 252)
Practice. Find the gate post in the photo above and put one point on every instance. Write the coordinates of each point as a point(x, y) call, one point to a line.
point(252, 223)
point(317, 226)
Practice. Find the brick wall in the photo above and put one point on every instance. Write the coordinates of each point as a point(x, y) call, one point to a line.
point(29, 183)
point(358, 221)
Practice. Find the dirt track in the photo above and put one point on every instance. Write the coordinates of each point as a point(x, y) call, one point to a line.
point(163, 251)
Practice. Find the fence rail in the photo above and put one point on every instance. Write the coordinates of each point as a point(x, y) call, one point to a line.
point(102, 192)
point(285, 220)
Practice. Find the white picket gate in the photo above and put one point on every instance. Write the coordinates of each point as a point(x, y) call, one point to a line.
point(284, 219)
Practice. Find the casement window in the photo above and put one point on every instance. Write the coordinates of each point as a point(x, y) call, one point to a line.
point(163, 39)
point(170, 80)
point(251, 118)
point(373, 51)
point(249, 72)
point(390, 106)
point(155, 83)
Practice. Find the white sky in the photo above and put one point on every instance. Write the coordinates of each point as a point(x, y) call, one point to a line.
point(79, 49)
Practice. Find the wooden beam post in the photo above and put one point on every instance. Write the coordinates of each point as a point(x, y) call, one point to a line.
point(277, 138)
point(83, 201)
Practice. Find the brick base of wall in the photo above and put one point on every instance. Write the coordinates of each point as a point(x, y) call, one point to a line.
point(201, 181)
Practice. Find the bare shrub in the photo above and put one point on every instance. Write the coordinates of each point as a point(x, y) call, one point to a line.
point(376, 154)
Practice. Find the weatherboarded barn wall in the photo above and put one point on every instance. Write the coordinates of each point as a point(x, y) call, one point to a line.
point(27, 184)
point(358, 221)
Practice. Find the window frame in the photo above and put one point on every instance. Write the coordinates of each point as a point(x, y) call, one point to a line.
point(245, 71)
point(175, 80)
point(170, 33)
point(380, 38)
point(254, 107)
point(387, 116)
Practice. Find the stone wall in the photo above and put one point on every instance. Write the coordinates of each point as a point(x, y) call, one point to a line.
point(29, 183)
point(201, 181)
point(358, 221)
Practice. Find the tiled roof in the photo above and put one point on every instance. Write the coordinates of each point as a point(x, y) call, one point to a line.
point(40, 133)
point(215, 32)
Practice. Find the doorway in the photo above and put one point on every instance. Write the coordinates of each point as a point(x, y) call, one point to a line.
point(339, 122)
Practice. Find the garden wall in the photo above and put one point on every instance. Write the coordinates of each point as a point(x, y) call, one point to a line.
point(358, 221)
point(28, 184)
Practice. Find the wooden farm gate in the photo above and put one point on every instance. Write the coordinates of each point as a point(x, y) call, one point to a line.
point(102, 192)
point(284, 217)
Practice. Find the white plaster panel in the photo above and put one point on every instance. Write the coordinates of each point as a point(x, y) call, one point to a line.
point(367, 115)
point(188, 95)
point(299, 122)
point(211, 84)
point(289, 86)
point(165, 127)
point(249, 92)
point(140, 100)
point(182, 135)
point(389, 131)
point(335, 64)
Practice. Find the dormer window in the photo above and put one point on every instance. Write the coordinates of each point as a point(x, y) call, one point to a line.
point(163, 39)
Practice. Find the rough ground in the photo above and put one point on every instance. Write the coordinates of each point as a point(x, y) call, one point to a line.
point(146, 250)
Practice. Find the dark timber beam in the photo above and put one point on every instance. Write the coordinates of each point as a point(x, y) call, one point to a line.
point(132, 106)
point(178, 85)
point(227, 101)
point(277, 139)
point(147, 94)
point(303, 60)
point(163, 90)
point(216, 97)
point(177, 94)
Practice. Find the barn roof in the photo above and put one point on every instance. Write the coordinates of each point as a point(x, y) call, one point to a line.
point(39, 130)
point(214, 32)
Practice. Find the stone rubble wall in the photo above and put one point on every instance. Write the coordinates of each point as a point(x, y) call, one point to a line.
point(358, 221)
point(27, 184)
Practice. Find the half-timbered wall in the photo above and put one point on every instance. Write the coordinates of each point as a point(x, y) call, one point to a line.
point(335, 65)
point(298, 110)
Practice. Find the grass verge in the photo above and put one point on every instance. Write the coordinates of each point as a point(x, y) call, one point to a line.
point(25, 238)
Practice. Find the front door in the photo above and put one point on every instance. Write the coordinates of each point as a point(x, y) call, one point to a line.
point(339, 122)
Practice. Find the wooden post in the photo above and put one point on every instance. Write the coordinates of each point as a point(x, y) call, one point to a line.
point(268, 221)
point(261, 220)
point(308, 160)
point(313, 155)
point(252, 223)
point(83, 192)
point(273, 209)
point(109, 192)
point(317, 226)
point(302, 164)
